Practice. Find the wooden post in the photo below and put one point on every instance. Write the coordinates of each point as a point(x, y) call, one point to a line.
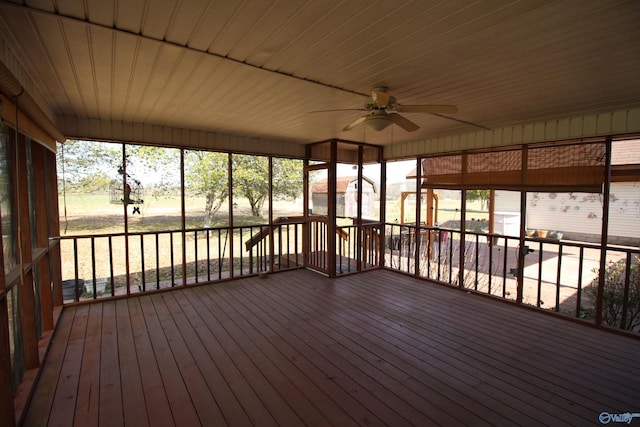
point(383, 212)
point(492, 208)
point(7, 414)
point(463, 235)
point(331, 210)
point(463, 223)
point(430, 213)
point(418, 215)
point(360, 236)
point(183, 222)
point(126, 219)
point(51, 180)
point(230, 227)
point(27, 297)
point(604, 237)
point(271, 226)
point(42, 237)
point(306, 229)
point(523, 216)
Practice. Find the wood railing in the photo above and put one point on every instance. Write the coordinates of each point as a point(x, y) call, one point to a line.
point(108, 265)
point(557, 275)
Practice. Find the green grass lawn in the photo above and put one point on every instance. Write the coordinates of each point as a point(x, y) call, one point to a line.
point(89, 214)
point(93, 214)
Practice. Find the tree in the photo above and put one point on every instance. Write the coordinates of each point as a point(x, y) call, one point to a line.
point(88, 166)
point(287, 177)
point(251, 179)
point(482, 195)
point(206, 174)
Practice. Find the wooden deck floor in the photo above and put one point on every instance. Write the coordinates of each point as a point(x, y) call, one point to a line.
point(379, 348)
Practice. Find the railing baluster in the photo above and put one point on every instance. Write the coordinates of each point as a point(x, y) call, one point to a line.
point(142, 274)
point(558, 274)
point(625, 299)
point(157, 235)
point(173, 273)
point(195, 252)
point(540, 250)
point(451, 258)
point(477, 260)
point(93, 265)
point(113, 283)
point(439, 252)
point(241, 256)
point(208, 255)
point(76, 269)
point(504, 267)
point(490, 243)
point(220, 254)
point(579, 292)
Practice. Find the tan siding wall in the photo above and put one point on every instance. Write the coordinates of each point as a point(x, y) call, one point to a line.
point(617, 122)
point(581, 212)
point(166, 135)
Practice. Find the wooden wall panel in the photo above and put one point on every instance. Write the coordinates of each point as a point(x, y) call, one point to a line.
point(623, 122)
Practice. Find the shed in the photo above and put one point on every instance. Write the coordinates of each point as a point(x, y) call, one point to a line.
point(346, 197)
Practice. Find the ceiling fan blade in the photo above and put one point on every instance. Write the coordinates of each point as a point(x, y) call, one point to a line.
point(331, 111)
point(380, 99)
point(442, 109)
point(403, 122)
point(355, 123)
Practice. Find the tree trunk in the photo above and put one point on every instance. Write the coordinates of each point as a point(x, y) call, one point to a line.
point(208, 211)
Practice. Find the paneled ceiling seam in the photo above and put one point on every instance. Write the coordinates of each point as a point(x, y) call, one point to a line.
point(166, 42)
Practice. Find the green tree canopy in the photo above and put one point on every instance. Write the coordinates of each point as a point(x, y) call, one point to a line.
point(251, 179)
point(481, 195)
point(88, 166)
point(206, 173)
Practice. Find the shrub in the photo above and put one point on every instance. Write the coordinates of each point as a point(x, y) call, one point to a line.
point(613, 297)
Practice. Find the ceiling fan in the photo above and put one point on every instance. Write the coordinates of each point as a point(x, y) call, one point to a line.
point(382, 111)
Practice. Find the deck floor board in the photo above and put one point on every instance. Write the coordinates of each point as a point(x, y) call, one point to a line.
point(378, 348)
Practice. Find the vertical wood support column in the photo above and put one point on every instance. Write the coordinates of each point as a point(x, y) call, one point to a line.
point(523, 218)
point(383, 211)
point(42, 236)
point(183, 221)
point(418, 234)
point(306, 229)
point(271, 227)
point(230, 228)
point(51, 180)
point(7, 414)
point(463, 223)
point(27, 296)
point(126, 218)
point(463, 236)
point(360, 234)
point(492, 208)
point(331, 210)
point(604, 237)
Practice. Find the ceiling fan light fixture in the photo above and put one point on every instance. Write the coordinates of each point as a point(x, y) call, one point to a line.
point(379, 122)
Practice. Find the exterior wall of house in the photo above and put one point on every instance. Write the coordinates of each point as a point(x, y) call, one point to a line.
point(579, 215)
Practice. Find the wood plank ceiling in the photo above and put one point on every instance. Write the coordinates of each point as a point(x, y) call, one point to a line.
point(259, 67)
